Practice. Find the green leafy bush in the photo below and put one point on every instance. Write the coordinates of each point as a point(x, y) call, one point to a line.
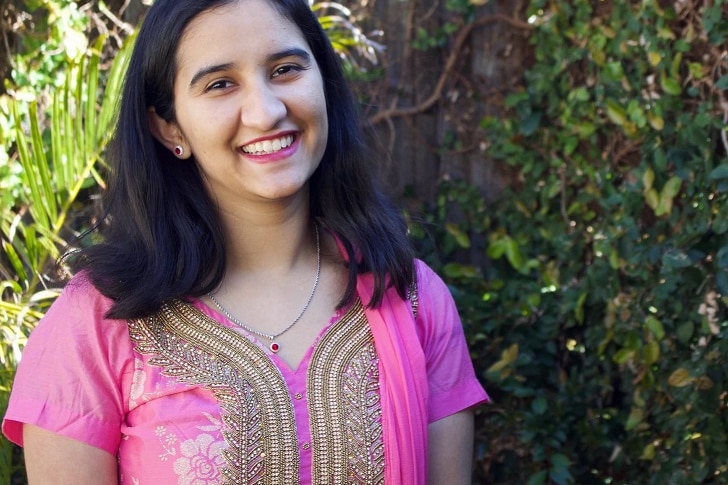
point(56, 159)
point(600, 322)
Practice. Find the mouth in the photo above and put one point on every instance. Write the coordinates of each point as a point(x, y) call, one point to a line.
point(267, 147)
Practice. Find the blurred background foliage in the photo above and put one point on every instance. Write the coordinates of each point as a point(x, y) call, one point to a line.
point(596, 307)
point(599, 323)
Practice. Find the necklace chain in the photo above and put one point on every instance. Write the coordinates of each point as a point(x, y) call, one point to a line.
point(274, 346)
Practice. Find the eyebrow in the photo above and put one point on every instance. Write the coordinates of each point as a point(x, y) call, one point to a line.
point(276, 56)
point(199, 75)
point(292, 52)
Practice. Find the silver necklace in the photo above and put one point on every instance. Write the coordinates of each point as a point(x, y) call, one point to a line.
point(275, 346)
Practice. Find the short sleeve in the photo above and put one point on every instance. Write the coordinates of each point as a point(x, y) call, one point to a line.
point(453, 385)
point(72, 372)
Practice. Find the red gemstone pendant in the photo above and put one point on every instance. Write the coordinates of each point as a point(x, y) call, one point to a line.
point(274, 347)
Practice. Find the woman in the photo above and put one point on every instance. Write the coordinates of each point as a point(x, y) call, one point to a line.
point(254, 314)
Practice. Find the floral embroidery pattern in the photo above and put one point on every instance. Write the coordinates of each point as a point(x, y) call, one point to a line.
point(200, 462)
point(167, 441)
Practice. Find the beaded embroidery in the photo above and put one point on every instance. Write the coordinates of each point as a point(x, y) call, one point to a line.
point(257, 414)
point(345, 407)
point(253, 397)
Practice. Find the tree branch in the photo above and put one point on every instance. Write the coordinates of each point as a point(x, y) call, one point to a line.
point(447, 71)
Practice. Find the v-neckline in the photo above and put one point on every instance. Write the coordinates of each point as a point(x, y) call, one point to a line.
point(282, 365)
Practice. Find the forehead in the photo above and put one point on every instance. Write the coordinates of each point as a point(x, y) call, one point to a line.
point(240, 28)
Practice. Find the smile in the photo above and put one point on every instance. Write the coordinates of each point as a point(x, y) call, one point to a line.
point(268, 146)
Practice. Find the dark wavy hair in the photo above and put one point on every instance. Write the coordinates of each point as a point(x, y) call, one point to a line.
point(162, 239)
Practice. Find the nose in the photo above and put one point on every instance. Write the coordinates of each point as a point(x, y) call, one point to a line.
point(263, 107)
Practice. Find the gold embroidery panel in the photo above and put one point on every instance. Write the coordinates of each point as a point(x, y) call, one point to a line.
point(344, 404)
point(253, 396)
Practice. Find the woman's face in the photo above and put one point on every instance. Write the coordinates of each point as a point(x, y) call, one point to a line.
point(249, 103)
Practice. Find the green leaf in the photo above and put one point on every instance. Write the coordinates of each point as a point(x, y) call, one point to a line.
point(614, 261)
point(623, 356)
point(559, 472)
point(514, 255)
point(15, 261)
point(652, 198)
point(671, 188)
point(654, 58)
point(670, 85)
point(496, 248)
point(636, 416)
point(719, 172)
point(648, 178)
point(667, 196)
point(559, 460)
point(539, 405)
point(657, 122)
point(41, 165)
point(721, 257)
point(530, 125)
point(685, 332)
point(616, 113)
point(460, 237)
point(508, 357)
point(655, 327)
point(675, 258)
point(721, 282)
point(538, 478)
point(722, 83)
point(579, 309)
point(458, 270)
point(680, 378)
point(28, 163)
point(664, 206)
point(648, 452)
point(651, 352)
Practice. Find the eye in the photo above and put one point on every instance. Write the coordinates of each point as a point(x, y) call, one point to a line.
point(219, 84)
point(287, 70)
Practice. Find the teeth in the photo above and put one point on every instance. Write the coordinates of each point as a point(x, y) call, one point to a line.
point(268, 146)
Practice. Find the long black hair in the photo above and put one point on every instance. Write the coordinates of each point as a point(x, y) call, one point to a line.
point(162, 239)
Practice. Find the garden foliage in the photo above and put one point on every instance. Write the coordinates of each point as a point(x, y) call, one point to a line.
point(600, 324)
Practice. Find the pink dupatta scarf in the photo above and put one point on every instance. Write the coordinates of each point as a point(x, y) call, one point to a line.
point(402, 383)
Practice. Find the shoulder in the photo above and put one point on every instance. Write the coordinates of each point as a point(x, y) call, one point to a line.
point(76, 321)
point(74, 366)
point(427, 278)
point(452, 382)
point(437, 318)
point(430, 288)
point(80, 302)
point(75, 334)
point(80, 291)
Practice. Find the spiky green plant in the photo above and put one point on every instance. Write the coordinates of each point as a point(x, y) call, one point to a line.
point(56, 164)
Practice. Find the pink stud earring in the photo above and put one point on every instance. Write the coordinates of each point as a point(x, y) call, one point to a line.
point(179, 151)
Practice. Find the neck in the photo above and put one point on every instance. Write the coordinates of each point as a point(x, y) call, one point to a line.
point(272, 245)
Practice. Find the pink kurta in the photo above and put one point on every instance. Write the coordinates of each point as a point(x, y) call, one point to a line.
point(189, 397)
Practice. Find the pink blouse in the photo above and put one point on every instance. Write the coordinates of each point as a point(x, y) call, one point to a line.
point(188, 397)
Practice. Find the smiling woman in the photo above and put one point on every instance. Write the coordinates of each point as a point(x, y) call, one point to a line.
point(255, 313)
point(233, 104)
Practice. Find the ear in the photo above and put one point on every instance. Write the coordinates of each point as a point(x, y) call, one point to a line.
point(168, 134)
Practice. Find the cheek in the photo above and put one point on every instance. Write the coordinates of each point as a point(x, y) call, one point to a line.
point(322, 119)
point(320, 113)
point(317, 100)
point(205, 123)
